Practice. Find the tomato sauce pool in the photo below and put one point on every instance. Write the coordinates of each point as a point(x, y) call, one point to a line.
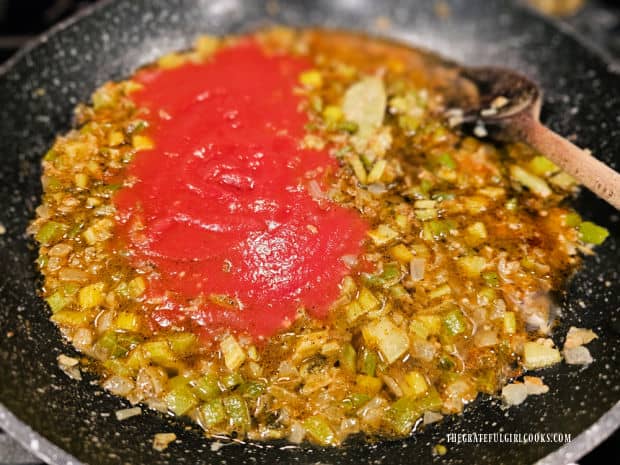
point(220, 208)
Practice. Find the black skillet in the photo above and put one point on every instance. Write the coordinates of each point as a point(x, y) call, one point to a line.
point(64, 421)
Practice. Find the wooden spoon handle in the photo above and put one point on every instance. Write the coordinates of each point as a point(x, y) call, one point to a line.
point(580, 164)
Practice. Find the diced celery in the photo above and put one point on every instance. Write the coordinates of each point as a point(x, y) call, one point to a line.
point(454, 322)
point(398, 291)
point(91, 295)
point(592, 233)
point(401, 253)
point(122, 290)
point(319, 430)
point(231, 381)
point(310, 344)
point(171, 60)
point(510, 323)
point(182, 343)
point(160, 353)
point(116, 138)
point(377, 171)
point(424, 204)
point(445, 159)
point(348, 126)
point(178, 381)
point(136, 287)
point(71, 318)
point(252, 389)
point(368, 362)
point(141, 142)
point(50, 232)
point(136, 359)
point(563, 181)
point(418, 329)
point(486, 381)
point(367, 300)
point(391, 340)
point(440, 291)
point(356, 400)
point(233, 353)
point(181, 400)
point(471, 266)
point(432, 323)
point(211, 413)
point(127, 321)
point(391, 274)
point(511, 204)
point(441, 196)
point(103, 97)
point(409, 123)
point(437, 229)
point(531, 181)
point(475, 204)
point(358, 169)
point(572, 219)
point(348, 358)
point(237, 411)
point(369, 385)
point(206, 45)
point(81, 180)
point(57, 301)
point(446, 362)
point(490, 278)
point(542, 166)
point(488, 293)
point(403, 413)
point(382, 234)
point(426, 214)
point(402, 222)
point(42, 260)
point(332, 114)
point(416, 383)
point(431, 401)
point(537, 355)
point(119, 367)
point(117, 345)
point(206, 387)
point(311, 78)
point(353, 311)
point(475, 234)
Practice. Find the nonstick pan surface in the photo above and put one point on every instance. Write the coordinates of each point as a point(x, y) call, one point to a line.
point(64, 421)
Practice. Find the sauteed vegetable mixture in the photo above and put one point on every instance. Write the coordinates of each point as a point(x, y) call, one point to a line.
point(280, 236)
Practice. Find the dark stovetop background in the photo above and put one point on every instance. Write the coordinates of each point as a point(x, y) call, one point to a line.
point(21, 20)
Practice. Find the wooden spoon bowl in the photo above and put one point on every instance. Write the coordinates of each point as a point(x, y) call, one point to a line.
point(508, 108)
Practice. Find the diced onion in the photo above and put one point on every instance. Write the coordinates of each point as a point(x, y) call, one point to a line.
point(514, 394)
point(486, 338)
point(579, 355)
point(432, 417)
point(118, 385)
point(126, 413)
point(298, 432)
point(417, 267)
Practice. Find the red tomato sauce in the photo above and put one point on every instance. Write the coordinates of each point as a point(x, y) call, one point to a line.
point(221, 205)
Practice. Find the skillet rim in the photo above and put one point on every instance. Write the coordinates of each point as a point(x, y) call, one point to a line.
point(47, 451)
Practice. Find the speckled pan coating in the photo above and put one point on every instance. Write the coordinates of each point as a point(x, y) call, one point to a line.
point(41, 86)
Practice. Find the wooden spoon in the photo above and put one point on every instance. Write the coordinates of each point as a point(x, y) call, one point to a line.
point(507, 107)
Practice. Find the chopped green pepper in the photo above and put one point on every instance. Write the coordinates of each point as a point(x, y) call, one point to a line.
point(238, 412)
point(318, 428)
point(592, 233)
